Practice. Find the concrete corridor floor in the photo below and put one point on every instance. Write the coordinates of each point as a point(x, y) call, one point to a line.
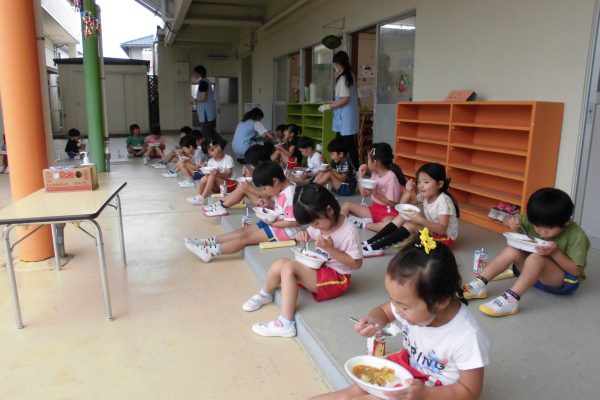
point(179, 331)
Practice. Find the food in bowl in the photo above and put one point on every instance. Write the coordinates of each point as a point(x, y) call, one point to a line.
point(243, 179)
point(320, 167)
point(383, 376)
point(367, 183)
point(207, 170)
point(310, 258)
point(523, 242)
point(298, 172)
point(400, 375)
point(266, 214)
point(407, 209)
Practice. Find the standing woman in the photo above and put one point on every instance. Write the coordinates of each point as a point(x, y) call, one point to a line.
point(205, 101)
point(345, 106)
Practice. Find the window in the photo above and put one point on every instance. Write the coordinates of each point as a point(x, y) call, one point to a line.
point(322, 71)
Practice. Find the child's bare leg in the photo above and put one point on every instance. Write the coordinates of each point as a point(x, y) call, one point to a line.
point(236, 196)
point(376, 226)
point(538, 267)
point(202, 184)
point(182, 167)
point(159, 152)
point(141, 151)
point(502, 261)
point(288, 274)
point(237, 240)
point(208, 185)
point(322, 177)
point(168, 157)
point(353, 392)
point(130, 150)
point(355, 209)
point(276, 155)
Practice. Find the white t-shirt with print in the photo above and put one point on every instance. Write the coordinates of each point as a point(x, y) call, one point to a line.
point(443, 205)
point(284, 205)
point(222, 165)
point(443, 351)
point(315, 160)
point(346, 239)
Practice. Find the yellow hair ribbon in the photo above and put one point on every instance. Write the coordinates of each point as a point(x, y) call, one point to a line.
point(426, 240)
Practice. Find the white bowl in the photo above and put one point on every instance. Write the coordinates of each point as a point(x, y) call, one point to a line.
point(320, 167)
point(367, 183)
point(401, 375)
point(243, 179)
point(153, 144)
point(207, 170)
point(522, 242)
point(407, 209)
point(310, 258)
point(137, 147)
point(298, 172)
point(266, 214)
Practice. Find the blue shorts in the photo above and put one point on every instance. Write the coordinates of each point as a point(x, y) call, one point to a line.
point(270, 236)
point(570, 283)
point(343, 190)
point(72, 154)
point(197, 175)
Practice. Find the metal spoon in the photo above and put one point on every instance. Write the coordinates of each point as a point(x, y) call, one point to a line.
point(385, 331)
point(522, 227)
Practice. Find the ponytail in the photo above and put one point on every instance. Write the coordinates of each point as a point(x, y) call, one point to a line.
point(382, 152)
point(341, 58)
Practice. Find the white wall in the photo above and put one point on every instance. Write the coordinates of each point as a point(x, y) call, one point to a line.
point(504, 50)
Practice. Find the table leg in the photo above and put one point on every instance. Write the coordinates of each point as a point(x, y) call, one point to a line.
point(103, 275)
point(11, 276)
point(55, 246)
point(121, 235)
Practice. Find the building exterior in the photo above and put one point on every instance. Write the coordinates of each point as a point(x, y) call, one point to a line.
point(141, 49)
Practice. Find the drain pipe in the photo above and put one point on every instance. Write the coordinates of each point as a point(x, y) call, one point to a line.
point(102, 90)
point(282, 15)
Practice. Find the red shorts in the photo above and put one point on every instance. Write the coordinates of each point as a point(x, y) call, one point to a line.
point(330, 283)
point(402, 358)
point(380, 211)
point(231, 185)
point(443, 239)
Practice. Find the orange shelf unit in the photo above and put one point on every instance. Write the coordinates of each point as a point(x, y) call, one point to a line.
point(493, 151)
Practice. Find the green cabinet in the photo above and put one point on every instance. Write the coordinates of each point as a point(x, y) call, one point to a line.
point(313, 123)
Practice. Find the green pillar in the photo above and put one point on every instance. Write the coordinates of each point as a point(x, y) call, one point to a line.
point(93, 88)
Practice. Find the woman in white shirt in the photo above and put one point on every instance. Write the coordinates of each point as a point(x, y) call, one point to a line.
point(345, 107)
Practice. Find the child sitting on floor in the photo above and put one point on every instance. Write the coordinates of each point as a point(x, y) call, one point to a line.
point(440, 213)
point(444, 347)
point(341, 173)
point(269, 177)
point(314, 159)
point(254, 155)
point(288, 147)
point(389, 191)
point(555, 267)
point(74, 145)
point(222, 169)
point(136, 143)
point(167, 158)
point(155, 144)
point(334, 236)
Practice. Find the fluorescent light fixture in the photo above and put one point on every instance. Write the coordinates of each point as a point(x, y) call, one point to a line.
point(400, 26)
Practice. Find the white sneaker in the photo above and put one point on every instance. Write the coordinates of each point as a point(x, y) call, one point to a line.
point(170, 174)
point(216, 211)
point(200, 242)
point(196, 200)
point(360, 223)
point(500, 306)
point(160, 165)
point(274, 328)
point(255, 302)
point(145, 160)
point(368, 251)
point(187, 184)
point(204, 253)
point(475, 289)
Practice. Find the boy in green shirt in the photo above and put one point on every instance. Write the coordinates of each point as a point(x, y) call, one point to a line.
point(555, 267)
point(136, 146)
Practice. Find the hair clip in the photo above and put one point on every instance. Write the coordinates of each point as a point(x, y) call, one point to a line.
point(427, 242)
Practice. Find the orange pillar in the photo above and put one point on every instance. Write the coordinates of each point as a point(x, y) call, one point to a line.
point(23, 112)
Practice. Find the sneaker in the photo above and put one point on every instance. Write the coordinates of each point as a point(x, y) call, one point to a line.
point(358, 222)
point(200, 242)
point(130, 156)
point(160, 165)
point(368, 251)
point(187, 184)
point(169, 174)
point(217, 210)
point(196, 200)
point(145, 160)
point(500, 306)
point(475, 289)
point(274, 328)
point(255, 302)
point(204, 253)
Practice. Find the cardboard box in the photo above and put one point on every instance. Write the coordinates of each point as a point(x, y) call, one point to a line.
point(63, 179)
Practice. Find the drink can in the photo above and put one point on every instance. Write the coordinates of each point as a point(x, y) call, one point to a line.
point(376, 345)
point(223, 190)
point(479, 261)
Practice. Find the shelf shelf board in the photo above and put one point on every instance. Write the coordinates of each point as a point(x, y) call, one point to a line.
point(423, 140)
point(487, 192)
point(312, 126)
point(420, 121)
point(501, 150)
point(478, 216)
point(422, 157)
point(503, 173)
point(320, 115)
point(491, 126)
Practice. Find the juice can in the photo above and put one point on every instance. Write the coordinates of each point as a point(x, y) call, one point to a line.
point(246, 220)
point(223, 189)
point(480, 258)
point(376, 345)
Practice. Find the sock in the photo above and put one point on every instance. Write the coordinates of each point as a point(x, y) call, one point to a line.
point(265, 294)
point(223, 204)
point(513, 294)
point(395, 237)
point(386, 230)
point(284, 321)
point(482, 279)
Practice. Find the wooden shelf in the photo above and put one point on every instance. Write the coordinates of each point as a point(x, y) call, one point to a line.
point(422, 140)
point(421, 157)
point(418, 121)
point(500, 149)
point(488, 192)
point(313, 124)
point(491, 126)
point(489, 171)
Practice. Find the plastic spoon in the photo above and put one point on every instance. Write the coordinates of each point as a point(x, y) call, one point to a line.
point(385, 331)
